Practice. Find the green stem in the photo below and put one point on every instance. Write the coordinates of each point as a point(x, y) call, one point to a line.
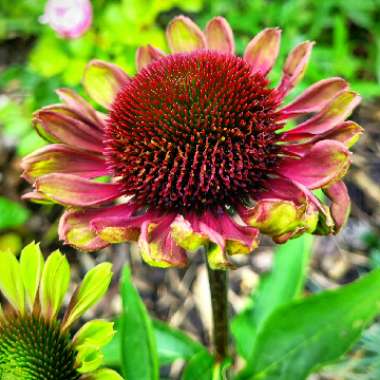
point(218, 287)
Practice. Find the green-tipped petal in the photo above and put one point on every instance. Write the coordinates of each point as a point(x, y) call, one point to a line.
point(105, 374)
point(184, 235)
point(31, 264)
point(96, 332)
point(89, 358)
point(103, 81)
point(184, 35)
point(217, 258)
point(11, 284)
point(54, 283)
point(94, 286)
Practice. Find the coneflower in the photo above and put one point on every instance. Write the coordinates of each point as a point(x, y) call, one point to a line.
point(196, 149)
point(35, 338)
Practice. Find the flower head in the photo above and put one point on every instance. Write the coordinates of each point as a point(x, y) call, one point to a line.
point(197, 149)
point(69, 18)
point(35, 342)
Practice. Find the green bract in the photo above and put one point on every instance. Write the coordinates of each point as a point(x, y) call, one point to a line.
point(34, 343)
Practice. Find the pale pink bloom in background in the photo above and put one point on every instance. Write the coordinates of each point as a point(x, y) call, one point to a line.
point(69, 18)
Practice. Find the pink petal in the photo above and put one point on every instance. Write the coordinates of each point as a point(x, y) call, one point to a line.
point(74, 229)
point(80, 106)
point(58, 127)
point(263, 50)
point(103, 81)
point(315, 98)
point(58, 158)
point(334, 113)
point(295, 67)
point(219, 35)
point(80, 227)
point(120, 225)
point(340, 204)
point(145, 55)
point(325, 163)
point(347, 133)
point(72, 190)
point(184, 35)
point(160, 249)
point(208, 226)
point(240, 239)
point(36, 197)
point(283, 211)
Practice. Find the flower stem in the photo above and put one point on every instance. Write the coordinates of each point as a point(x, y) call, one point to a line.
point(218, 286)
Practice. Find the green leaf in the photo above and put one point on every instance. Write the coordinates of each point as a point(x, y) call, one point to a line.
point(307, 334)
point(200, 367)
point(138, 346)
point(12, 214)
point(173, 344)
point(281, 286)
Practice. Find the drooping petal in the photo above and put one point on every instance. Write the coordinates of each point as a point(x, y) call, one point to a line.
point(79, 105)
point(347, 133)
point(160, 249)
point(184, 35)
point(295, 67)
point(57, 158)
point(282, 211)
point(278, 217)
point(36, 197)
point(122, 223)
point(103, 80)
point(209, 226)
point(31, 266)
point(93, 287)
point(239, 239)
point(71, 190)
point(145, 55)
point(340, 204)
point(314, 98)
point(325, 163)
point(185, 236)
point(219, 35)
point(93, 229)
point(263, 50)
point(333, 114)
point(58, 127)
point(74, 229)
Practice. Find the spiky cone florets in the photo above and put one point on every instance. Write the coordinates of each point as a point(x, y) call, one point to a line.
point(197, 142)
point(35, 343)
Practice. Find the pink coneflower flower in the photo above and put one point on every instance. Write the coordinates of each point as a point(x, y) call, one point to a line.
point(197, 149)
point(69, 18)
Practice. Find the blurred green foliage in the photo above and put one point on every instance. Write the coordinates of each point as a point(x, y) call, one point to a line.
point(346, 31)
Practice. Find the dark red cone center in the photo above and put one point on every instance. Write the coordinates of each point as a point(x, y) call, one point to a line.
point(193, 131)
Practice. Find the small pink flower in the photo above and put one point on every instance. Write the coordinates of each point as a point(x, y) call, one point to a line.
point(197, 149)
point(69, 18)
